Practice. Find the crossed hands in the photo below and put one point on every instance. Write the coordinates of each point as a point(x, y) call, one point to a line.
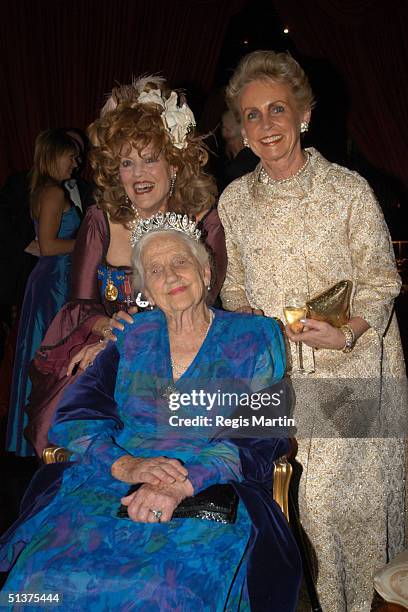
point(162, 498)
point(165, 485)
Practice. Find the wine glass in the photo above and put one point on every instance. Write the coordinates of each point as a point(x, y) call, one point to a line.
point(294, 309)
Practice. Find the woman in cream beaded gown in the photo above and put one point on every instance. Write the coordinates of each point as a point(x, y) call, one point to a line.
point(301, 223)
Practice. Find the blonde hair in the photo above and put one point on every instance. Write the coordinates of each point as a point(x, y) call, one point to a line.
point(133, 125)
point(50, 145)
point(268, 65)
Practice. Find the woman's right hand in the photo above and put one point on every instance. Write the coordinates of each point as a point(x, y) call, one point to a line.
point(104, 326)
point(152, 470)
point(143, 504)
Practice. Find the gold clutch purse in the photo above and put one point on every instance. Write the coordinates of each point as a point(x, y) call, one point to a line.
point(332, 306)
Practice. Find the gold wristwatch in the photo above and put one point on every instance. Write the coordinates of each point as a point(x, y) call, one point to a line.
point(349, 337)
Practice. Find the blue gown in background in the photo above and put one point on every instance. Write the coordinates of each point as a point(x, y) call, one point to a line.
point(46, 292)
point(77, 547)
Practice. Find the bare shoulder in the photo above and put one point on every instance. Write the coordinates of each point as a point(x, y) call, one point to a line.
point(52, 195)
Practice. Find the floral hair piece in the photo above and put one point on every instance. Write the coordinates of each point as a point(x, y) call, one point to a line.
point(130, 93)
point(178, 120)
point(165, 221)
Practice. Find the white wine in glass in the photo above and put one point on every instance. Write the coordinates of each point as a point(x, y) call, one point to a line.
point(293, 314)
point(294, 309)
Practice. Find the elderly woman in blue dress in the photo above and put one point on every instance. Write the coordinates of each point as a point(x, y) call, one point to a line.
point(114, 421)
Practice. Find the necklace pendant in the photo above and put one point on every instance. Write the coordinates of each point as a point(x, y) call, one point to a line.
point(111, 292)
point(169, 391)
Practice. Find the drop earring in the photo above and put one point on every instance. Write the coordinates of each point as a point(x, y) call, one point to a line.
point(172, 184)
point(245, 141)
point(129, 204)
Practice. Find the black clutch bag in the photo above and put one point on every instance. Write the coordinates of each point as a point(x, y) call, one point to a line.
point(217, 503)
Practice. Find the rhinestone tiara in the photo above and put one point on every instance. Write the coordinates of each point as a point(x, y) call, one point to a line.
point(165, 221)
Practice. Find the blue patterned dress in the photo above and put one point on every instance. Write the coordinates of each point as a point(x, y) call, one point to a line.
point(46, 292)
point(78, 548)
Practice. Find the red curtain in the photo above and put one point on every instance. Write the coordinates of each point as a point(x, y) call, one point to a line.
point(58, 59)
point(366, 41)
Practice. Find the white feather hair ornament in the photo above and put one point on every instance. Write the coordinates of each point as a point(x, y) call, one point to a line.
point(131, 92)
point(177, 118)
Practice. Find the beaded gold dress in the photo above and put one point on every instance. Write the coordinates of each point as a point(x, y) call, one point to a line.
point(306, 234)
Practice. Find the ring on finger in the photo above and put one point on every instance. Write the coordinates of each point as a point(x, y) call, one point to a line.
point(106, 331)
point(157, 514)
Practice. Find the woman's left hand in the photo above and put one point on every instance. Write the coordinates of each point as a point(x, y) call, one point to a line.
point(162, 499)
point(318, 334)
point(85, 357)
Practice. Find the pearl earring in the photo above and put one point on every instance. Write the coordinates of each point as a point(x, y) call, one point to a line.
point(245, 141)
point(304, 126)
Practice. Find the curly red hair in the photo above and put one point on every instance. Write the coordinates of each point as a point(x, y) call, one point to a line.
point(135, 126)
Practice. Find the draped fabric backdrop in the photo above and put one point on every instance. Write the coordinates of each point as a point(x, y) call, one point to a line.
point(366, 41)
point(58, 59)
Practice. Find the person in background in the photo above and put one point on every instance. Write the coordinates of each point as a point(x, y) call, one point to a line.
point(20, 250)
point(241, 159)
point(81, 191)
point(300, 224)
point(56, 222)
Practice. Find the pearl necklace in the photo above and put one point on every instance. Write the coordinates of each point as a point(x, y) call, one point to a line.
point(179, 369)
point(265, 179)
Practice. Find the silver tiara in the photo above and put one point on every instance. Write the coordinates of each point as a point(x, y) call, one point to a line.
point(165, 221)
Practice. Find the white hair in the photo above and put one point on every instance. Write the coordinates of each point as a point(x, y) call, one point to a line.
point(197, 249)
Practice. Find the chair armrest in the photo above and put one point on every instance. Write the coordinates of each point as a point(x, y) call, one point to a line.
point(55, 454)
point(281, 481)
